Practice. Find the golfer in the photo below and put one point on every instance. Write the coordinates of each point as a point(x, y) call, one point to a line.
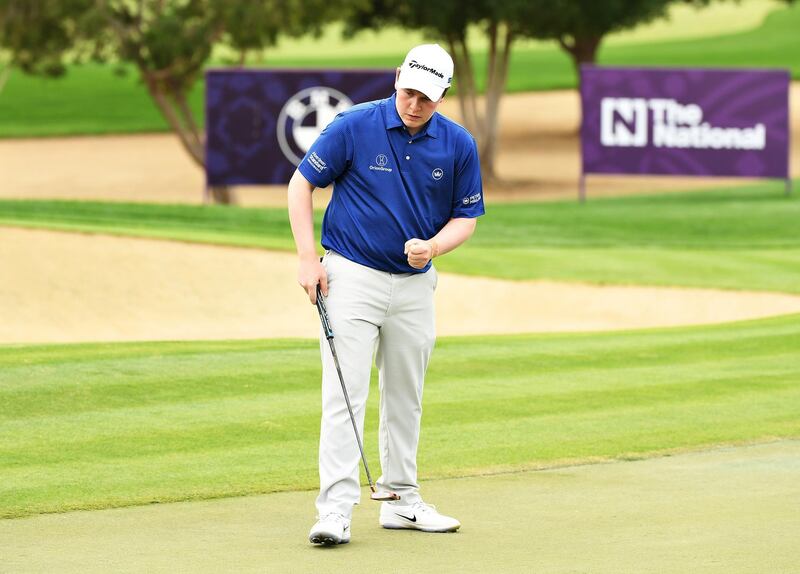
point(407, 188)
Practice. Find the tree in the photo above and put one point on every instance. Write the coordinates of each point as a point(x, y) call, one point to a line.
point(579, 26)
point(449, 21)
point(37, 35)
point(168, 41)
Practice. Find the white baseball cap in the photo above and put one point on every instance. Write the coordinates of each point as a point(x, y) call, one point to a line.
point(427, 68)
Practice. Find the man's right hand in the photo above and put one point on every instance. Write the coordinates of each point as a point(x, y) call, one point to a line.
point(311, 273)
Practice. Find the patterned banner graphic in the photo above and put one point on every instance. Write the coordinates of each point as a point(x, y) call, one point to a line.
point(260, 123)
point(685, 122)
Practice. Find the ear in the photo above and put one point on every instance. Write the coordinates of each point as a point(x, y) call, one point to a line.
point(396, 77)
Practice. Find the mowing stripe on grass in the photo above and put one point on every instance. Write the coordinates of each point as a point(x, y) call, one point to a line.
point(95, 426)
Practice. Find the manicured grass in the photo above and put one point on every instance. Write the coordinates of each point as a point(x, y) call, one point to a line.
point(100, 425)
point(744, 238)
point(93, 100)
point(244, 227)
point(740, 238)
point(774, 44)
point(685, 21)
point(745, 269)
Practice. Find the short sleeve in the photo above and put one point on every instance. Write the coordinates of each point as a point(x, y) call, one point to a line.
point(330, 155)
point(468, 196)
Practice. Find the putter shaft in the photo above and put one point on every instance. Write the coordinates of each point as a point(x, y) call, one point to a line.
point(326, 327)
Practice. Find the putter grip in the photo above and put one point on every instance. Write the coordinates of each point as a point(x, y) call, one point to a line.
point(323, 315)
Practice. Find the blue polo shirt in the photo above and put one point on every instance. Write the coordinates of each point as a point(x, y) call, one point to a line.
point(390, 186)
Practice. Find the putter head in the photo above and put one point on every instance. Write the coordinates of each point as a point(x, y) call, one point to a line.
point(384, 495)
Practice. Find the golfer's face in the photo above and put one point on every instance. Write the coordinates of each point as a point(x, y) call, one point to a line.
point(415, 108)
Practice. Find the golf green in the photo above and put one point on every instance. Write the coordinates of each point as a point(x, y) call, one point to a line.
point(721, 511)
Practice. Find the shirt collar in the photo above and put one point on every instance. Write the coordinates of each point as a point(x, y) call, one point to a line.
point(393, 120)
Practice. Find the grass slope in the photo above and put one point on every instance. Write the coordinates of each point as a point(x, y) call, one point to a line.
point(101, 425)
point(244, 227)
point(92, 99)
point(741, 238)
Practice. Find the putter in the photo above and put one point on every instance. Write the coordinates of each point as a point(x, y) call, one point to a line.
point(326, 326)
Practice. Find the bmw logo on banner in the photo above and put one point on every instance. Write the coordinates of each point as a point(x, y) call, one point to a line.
point(260, 123)
point(304, 116)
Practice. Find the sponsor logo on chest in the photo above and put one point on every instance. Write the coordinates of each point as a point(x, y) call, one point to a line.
point(381, 160)
point(381, 164)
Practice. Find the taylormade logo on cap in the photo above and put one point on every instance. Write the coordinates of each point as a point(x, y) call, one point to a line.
point(427, 68)
point(414, 64)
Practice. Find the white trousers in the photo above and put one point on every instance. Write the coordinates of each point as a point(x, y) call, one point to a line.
point(389, 317)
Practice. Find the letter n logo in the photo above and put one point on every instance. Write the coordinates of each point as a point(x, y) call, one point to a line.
point(623, 122)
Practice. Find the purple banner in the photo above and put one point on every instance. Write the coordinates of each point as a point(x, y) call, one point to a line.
point(685, 122)
point(260, 123)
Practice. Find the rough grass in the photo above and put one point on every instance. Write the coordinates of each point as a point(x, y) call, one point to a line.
point(92, 99)
point(101, 425)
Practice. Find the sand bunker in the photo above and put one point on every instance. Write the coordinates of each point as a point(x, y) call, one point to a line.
point(64, 287)
point(57, 287)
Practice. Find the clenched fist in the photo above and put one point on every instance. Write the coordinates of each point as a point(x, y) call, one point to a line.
point(420, 251)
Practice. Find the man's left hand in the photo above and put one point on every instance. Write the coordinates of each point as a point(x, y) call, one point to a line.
point(419, 252)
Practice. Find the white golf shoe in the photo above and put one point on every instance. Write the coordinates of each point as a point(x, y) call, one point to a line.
point(417, 516)
point(330, 529)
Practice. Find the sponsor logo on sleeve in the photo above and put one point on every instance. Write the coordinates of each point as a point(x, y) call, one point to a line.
point(472, 199)
point(317, 162)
